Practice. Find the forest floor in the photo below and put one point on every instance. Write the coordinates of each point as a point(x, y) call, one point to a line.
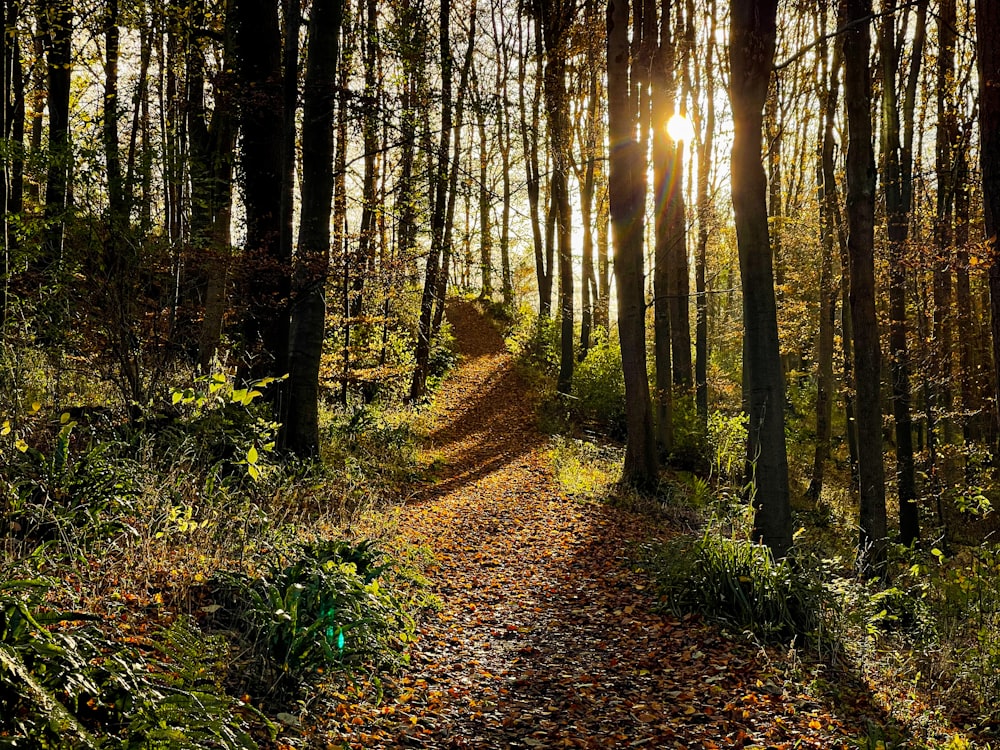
point(545, 636)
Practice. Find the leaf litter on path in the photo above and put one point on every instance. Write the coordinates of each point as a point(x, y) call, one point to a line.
point(545, 637)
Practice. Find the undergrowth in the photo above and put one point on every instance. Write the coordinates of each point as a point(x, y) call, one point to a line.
point(190, 508)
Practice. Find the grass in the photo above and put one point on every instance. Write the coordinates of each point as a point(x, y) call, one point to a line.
point(138, 521)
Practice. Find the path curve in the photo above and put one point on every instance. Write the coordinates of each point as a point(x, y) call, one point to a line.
point(545, 638)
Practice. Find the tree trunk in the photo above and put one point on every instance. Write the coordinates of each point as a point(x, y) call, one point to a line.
point(897, 217)
point(556, 19)
point(945, 138)
point(860, 245)
point(988, 63)
point(266, 271)
point(751, 51)
point(59, 67)
point(530, 136)
point(627, 196)
point(826, 194)
point(669, 227)
point(312, 260)
point(705, 156)
point(418, 386)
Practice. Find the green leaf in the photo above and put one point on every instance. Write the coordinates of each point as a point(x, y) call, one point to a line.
point(252, 455)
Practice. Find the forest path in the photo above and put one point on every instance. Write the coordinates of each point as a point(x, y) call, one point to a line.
point(545, 638)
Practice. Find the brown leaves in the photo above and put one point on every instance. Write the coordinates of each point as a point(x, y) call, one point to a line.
point(545, 638)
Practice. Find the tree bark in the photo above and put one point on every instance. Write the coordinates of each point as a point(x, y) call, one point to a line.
point(627, 196)
point(556, 18)
point(861, 246)
point(988, 63)
point(266, 270)
point(418, 386)
point(59, 68)
point(669, 228)
point(897, 218)
point(751, 52)
point(312, 260)
point(705, 156)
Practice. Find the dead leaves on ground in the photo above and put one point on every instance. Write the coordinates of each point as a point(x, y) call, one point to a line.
point(545, 638)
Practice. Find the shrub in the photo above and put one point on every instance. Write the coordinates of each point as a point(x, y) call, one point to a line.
point(727, 438)
point(326, 609)
point(76, 491)
point(534, 342)
point(78, 687)
point(735, 582)
point(599, 386)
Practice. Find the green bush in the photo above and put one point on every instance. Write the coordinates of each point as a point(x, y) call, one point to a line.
point(76, 491)
point(219, 429)
point(534, 342)
point(325, 610)
point(77, 687)
point(735, 582)
point(599, 386)
point(727, 438)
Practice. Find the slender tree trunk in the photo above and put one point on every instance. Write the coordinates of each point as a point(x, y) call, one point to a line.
point(530, 137)
point(945, 138)
point(988, 63)
point(898, 219)
point(418, 386)
point(861, 246)
point(669, 232)
point(59, 67)
point(627, 196)
point(266, 271)
point(312, 259)
point(449, 223)
point(751, 51)
point(827, 287)
point(556, 18)
point(485, 229)
point(706, 145)
point(341, 236)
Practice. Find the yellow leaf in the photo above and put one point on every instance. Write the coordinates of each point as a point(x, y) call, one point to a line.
point(252, 455)
point(5, 430)
point(35, 406)
point(64, 417)
point(21, 445)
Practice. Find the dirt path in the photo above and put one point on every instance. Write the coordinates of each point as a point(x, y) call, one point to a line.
point(545, 639)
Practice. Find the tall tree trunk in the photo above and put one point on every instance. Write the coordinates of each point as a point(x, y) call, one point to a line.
point(897, 217)
point(449, 219)
point(669, 228)
point(988, 63)
point(946, 135)
point(751, 52)
point(556, 17)
point(706, 145)
point(485, 229)
point(827, 287)
point(312, 259)
point(627, 197)
point(861, 246)
point(341, 236)
point(59, 67)
point(212, 142)
point(266, 271)
point(530, 137)
point(11, 129)
point(963, 298)
point(418, 386)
